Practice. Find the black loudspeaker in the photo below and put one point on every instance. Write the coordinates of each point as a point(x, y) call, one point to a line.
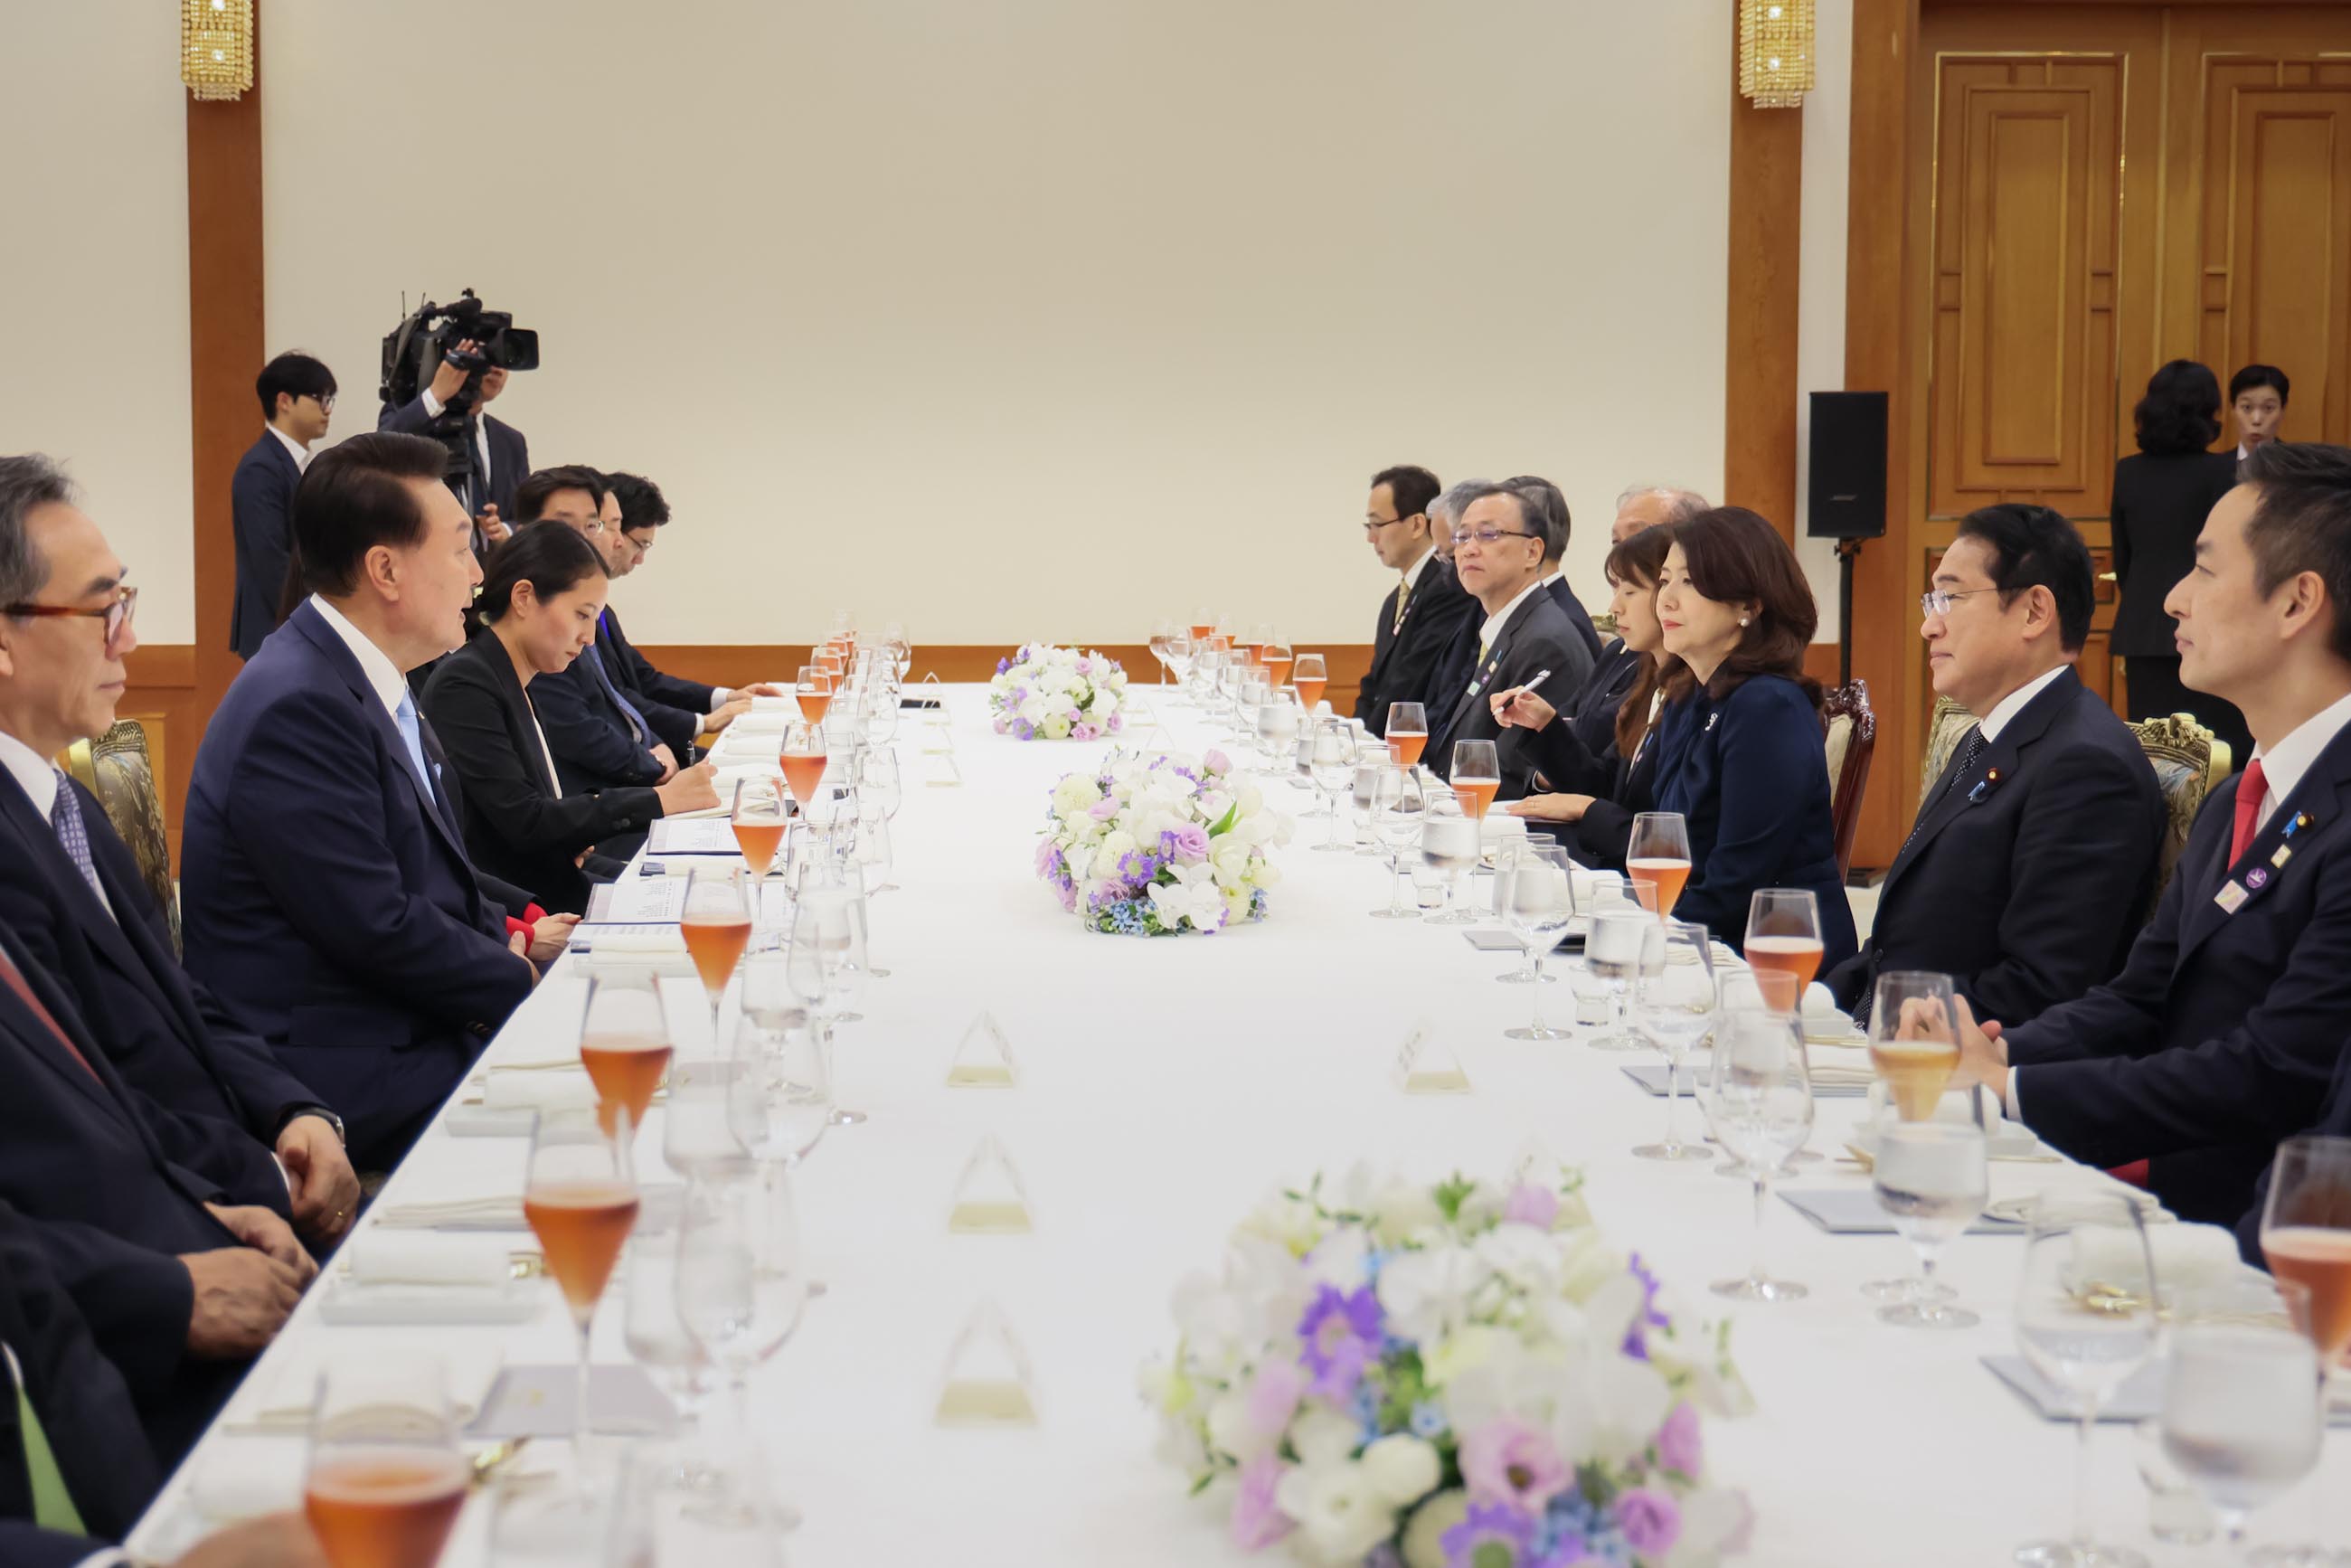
point(1847, 494)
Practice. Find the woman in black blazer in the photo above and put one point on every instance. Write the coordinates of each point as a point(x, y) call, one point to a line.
point(538, 605)
point(2161, 496)
point(1581, 750)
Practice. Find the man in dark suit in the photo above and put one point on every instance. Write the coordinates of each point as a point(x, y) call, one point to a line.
point(327, 894)
point(70, 890)
point(1556, 524)
point(2033, 855)
point(496, 454)
point(181, 1281)
point(1424, 614)
point(2225, 1027)
point(297, 400)
point(1500, 551)
point(645, 512)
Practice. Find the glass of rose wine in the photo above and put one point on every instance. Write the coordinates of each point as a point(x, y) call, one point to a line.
point(760, 818)
point(624, 1044)
point(1783, 934)
point(1204, 625)
point(581, 1198)
point(716, 927)
point(386, 1478)
point(1476, 776)
point(1310, 675)
point(1407, 731)
point(814, 690)
point(1914, 1039)
point(1276, 659)
point(1659, 853)
point(2307, 1240)
point(802, 758)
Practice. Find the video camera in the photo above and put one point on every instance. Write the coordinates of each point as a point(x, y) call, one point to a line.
point(415, 347)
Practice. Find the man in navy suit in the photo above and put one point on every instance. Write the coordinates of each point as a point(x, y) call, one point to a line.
point(1425, 613)
point(70, 890)
point(2225, 1029)
point(326, 896)
point(297, 399)
point(644, 512)
point(2033, 856)
point(497, 455)
point(1556, 525)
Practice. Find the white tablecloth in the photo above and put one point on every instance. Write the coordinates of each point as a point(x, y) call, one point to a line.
point(1166, 1085)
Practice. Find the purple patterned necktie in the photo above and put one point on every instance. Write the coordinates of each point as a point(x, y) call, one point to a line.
point(66, 818)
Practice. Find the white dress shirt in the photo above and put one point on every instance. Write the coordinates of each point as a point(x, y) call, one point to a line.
point(2004, 711)
point(1491, 631)
point(36, 776)
point(382, 675)
point(481, 439)
point(1412, 573)
point(299, 453)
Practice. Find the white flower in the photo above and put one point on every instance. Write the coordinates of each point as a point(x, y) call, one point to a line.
point(1424, 1538)
point(1321, 1438)
point(1075, 796)
point(1115, 844)
point(1056, 727)
point(1629, 1402)
point(1288, 1221)
point(1340, 1515)
point(1034, 709)
point(1426, 1293)
point(1231, 1431)
point(1711, 1518)
point(1523, 1255)
point(1403, 1469)
point(1338, 1259)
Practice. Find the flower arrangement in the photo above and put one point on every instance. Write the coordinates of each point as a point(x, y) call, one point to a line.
point(1458, 1376)
point(1057, 694)
point(1159, 844)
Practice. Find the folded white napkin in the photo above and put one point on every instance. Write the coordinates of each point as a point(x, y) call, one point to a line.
point(537, 1091)
point(1840, 1066)
point(453, 1214)
point(2186, 1257)
point(1819, 999)
point(403, 1258)
point(772, 718)
point(775, 705)
point(285, 1402)
point(240, 1478)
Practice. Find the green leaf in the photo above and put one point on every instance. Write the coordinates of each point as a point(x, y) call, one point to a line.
point(1224, 823)
point(1451, 1195)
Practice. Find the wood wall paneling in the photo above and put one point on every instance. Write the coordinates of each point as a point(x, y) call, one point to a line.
point(1766, 168)
point(162, 696)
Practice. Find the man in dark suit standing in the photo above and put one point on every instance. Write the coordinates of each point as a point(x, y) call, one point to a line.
point(71, 891)
point(2033, 855)
point(497, 457)
point(1500, 551)
point(297, 400)
point(1424, 614)
point(327, 894)
point(2225, 1027)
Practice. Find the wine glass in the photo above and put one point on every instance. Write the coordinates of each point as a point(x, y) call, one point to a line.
point(1931, 1178)
point(879, 777)
point(740, 1285)
point(1613, 951)
point(2245, 1402)
point(624, 1043)
point(1329, 766)
point(1784, 934)
point(781, 1090)
point(1371, 764)
point(1762, 1091)
point(1276, 728)
point(1675, 1008)
point(1914, 1039)
point(716, 928)
point(823, 933)
point(2085, 1320)
point(385, 1476)
point(1449, 846)
point(1476, 776)
point(813, 689)
point(874, 853)
point(698, 1135)
point(1310, 676)
point(1276, 659)
point(802, 758)
point(1407, 731)
point(1178, 656)
point(2306, 1241)
point(761, 817)
point(881, 715)
point(1250, 693)
point(1538, 900)
point(580, 1197)
point(651, 1329)
point(1161, 630)
point(1658, 853)
point(1398, 804)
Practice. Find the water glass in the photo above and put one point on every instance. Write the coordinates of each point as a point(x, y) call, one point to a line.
point(1449, 847)
point(1761, 1092)
point(1932, 1178)
point(1675, 1011)
point(1538, 898)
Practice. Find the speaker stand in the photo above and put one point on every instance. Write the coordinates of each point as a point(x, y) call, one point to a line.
point(1846, 550)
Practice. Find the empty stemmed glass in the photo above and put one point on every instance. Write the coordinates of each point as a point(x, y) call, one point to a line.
point(1931, 1178)
point(1330, 767)
point(1538, 898)
point(879, 777)
point(1176, 654)
point(740, 1284)
point(2245, 1402)
point(782, 1090)
point(2086, 1319)
point(1449, 846)
point(818, 965)
point(1762, 1090)
point(1398, 804)
point(1675, 1011)
point(1615, 951)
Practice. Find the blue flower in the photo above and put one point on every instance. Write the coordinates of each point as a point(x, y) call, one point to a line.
point(1428, 1422)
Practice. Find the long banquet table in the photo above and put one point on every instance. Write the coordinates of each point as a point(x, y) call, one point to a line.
point(1167, 1085)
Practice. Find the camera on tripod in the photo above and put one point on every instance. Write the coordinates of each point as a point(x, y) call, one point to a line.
point(429, 336)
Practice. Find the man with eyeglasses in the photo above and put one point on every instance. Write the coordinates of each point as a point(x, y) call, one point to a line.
point(2033, 856)
point(1424, 614)
point(297, 400)
point(1499, 551)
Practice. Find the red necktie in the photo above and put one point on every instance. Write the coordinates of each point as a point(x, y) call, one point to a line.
point(2250, 790)
point(17, 984)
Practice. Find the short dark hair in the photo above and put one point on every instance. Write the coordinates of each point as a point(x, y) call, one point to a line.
point(2301, 522)
point(1547, 496)
point(1734, 556)
point(643, 504)
point(2181, 410)
point(1412, 487)
point(533, 494)
point(297, 376)
point(2034, 547)
point(1532, 512)
point(552, 557)
point(353, 496)
point(2254, 376)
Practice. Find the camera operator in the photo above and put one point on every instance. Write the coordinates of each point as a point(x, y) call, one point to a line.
point(500, 457)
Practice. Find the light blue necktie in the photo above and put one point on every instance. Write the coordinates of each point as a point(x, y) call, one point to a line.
point(74, 834)
point(413, 734)
point(595, 657)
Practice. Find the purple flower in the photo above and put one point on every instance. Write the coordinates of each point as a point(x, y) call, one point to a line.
point(1023, 728)
point(1531, 1206)
point(1681, 1446)
point(1637, 1338)
point(1256, 1521)
point(1002, 666)
point(1117, 723)
point(1342, 1332)
point(1511, 1461)
point(1216, 762)
point(1049, 857)
point(1650, 1521)
point(1085, 666)
point(1104, 810)
point(1003, 724)
point(1274, 1397)
point(1488, 1525)
point(1188, 844)
point(1084, 732)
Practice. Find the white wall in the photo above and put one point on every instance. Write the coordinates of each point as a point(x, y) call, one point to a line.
point(1034, 316)
point(94, 268)
point(1820, 332)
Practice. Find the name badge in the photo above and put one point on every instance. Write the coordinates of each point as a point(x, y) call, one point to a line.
point(2284, 854)
point(2231, 898)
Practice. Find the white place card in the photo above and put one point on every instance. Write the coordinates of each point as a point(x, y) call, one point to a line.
point(638, 901)
point(692, 836)
point(983, 1058)
point(988, 1381)
point(989, 1200)
point(1427, 1065)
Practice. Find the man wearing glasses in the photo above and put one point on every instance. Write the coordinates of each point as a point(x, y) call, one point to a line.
point(1500, 551)
point(1425, 612)
point(297, 399)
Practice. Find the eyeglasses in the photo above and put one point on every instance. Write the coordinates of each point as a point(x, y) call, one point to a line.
point(326, 405)
point(1938, 602)
point(1487, 536)
point(116, 614)
point(1373, 525)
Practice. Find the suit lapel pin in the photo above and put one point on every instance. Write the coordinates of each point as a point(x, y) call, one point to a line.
point(1990, 782)
point(2301, 820)
point(2229, 897)
point(1711, 720)
point(2258, 878)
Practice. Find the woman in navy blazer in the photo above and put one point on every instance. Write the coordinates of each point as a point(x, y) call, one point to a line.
point(1740, 748)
